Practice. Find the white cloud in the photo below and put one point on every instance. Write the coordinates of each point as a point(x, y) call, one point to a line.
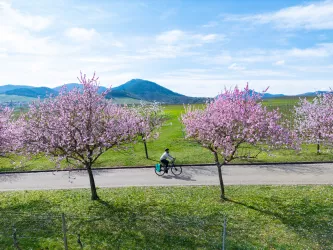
point(28, 56)
point(54, 71)
point(280, 62)
point(170, 36)
point(313, 68)
point(312, 16)
point(12, 17)
point(206, 38)
point(236, 67)
point(222, 59)
point(210, 24)
point(117, 44)
point(165, 51)
point(179, 36)
point(265, 73)
point(25, 43)
point(322, 51)
point(311, 52)
point(175, 43)
point(81, 34)
point(19, 32)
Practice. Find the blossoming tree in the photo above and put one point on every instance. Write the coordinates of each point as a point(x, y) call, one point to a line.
point(235, 118)
point(10, 132)
point(314, 120)
point(79, 125)
point(5, 131)
point(151, 118)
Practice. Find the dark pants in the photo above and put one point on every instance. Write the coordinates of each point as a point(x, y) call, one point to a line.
point(165, 162)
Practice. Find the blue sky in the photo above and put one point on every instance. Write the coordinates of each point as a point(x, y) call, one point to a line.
point(195, 48)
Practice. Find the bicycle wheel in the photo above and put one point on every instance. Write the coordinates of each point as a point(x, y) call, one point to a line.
point(160, 173)
point(176, 170)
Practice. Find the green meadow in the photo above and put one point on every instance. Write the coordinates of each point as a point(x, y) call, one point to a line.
point(15, 98)
point(257, 217)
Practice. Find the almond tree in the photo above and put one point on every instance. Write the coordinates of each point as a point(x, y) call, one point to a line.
point(5, 130)
point(314, 120)
point(233, 119)
point(79, 125)
point(10, 132)
point(151, 118)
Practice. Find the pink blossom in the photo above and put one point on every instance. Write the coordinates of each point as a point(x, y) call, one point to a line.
point(10, 132)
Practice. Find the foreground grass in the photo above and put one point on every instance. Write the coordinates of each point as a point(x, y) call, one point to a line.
point(172, 136)
point(258, 217)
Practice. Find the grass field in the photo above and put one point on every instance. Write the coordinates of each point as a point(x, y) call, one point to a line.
point(172, 136)
point(258, 217)
point(15, 98)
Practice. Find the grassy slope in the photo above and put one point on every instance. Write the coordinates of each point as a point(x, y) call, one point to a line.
point(186, 152)
point(259, 217)
point(126, 100)
point(15, 98)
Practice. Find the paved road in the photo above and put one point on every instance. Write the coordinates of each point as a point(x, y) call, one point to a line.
point(207, 175)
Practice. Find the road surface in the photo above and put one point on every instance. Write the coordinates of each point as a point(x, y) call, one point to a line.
point(289, 174)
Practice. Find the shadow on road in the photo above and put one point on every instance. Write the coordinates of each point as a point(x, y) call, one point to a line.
point(179, 177)
point(9, 177)
point(293, 168)
point(204, 170)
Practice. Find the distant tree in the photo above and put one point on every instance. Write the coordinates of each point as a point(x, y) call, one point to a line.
point(151, 117)
point(314, 120)
point(10, 132)
point(79, 125)
point(5, 130)
point(233, 119)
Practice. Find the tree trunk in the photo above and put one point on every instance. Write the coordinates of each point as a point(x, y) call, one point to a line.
point(318, 148)
point(146, 150)
point(220, 175)
point(94, 195)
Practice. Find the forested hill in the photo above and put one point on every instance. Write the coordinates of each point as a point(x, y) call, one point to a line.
point(130, 92)
point(151, 91)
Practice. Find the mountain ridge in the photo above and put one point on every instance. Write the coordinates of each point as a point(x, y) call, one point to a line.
point(70, 86)
point(36, 92)
point(9, 87)
point(135, 89)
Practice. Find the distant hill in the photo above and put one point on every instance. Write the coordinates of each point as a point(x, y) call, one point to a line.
point(70, 86)
point(312, 94)
point(268, 95)
point(41, 92)
point(151, 91)
point(6, 88)
point(115, 93)
point(132, 91)
point(145, 89)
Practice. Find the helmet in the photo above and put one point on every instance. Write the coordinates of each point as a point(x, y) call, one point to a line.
point(166, 149)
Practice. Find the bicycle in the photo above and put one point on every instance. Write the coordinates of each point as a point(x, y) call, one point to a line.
point(160, 168)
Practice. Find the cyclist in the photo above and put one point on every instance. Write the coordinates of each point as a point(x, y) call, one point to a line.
point(164, 158)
